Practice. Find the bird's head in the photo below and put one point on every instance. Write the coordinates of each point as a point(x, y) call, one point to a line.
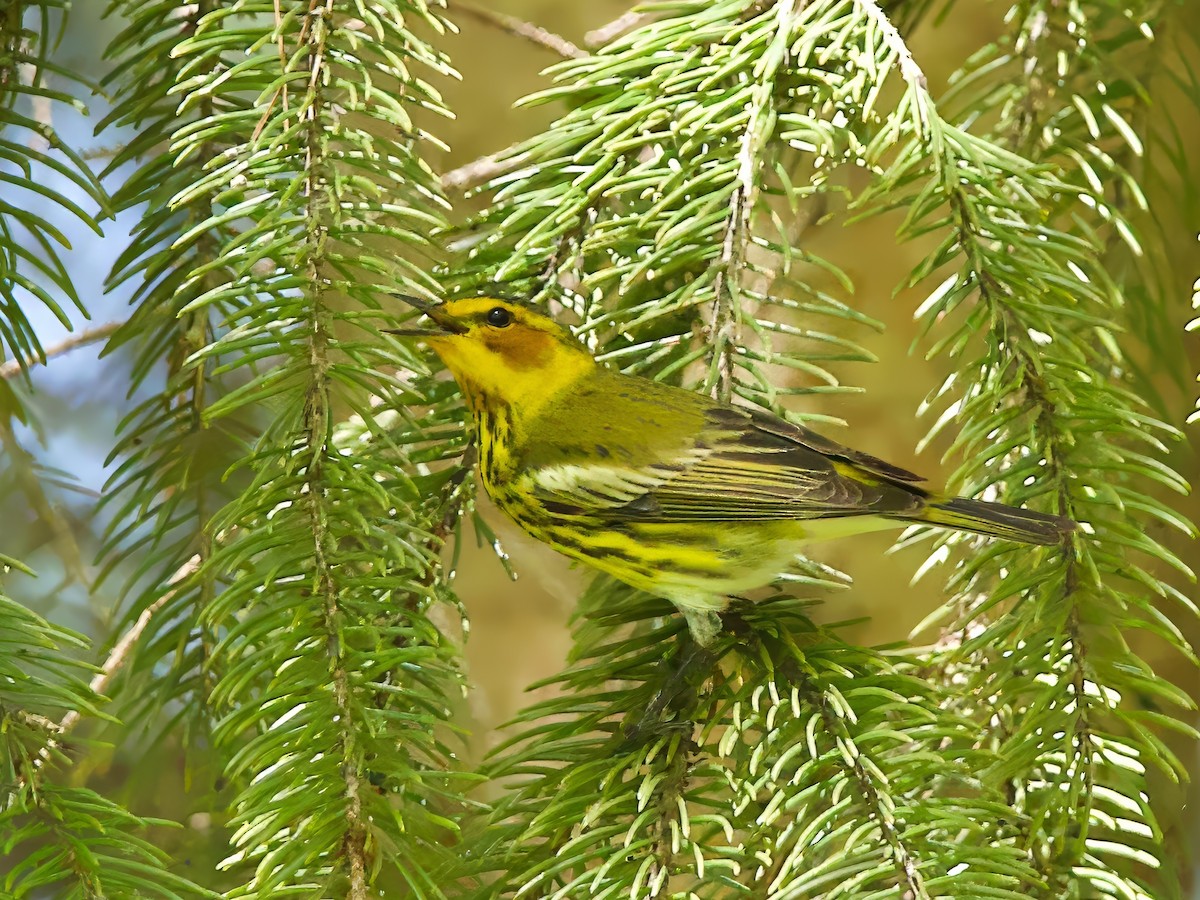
point(502, 350)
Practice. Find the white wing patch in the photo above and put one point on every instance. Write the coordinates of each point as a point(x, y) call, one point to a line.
point(603, 486)
point(595, 482)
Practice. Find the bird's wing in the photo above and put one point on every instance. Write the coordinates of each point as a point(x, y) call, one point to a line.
point(738, 465)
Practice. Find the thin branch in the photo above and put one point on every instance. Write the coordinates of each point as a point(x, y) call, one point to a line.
point(485, 168)
point(316, 440)
point(119, 655)
point(973, 247)
point(117, 658)
point(101, 151)
point(482, 170)
point(24, 467)
point(627, 21)
point(80, 339)
point(535, 34)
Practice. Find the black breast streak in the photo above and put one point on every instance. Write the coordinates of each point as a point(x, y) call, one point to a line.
point(494, 427)
point(483, 430)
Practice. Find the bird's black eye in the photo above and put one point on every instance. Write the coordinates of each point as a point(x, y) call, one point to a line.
point(499, 317)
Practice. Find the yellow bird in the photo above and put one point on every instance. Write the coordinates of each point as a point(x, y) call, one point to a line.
point(669, 490)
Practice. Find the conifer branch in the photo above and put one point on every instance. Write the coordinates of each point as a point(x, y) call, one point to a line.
point(666, 209)
point(120, 653)
point(34, 272)
point(331, 678)
point(172, 455)
point(486, 168)
point(57, 839)
point(617, 217)
point(725, 329)
point(669, 795)
point(317, 446)
point(118, 656)
point(863, 771)
point(1015, 331)
point(997, 230)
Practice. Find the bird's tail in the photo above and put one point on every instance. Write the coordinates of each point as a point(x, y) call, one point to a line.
point(998, 520)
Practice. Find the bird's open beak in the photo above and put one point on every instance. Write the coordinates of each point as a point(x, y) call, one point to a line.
point(443, 323)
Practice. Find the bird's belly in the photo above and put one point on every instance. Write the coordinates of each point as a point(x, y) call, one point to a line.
point(695, 563)
point(722, 557)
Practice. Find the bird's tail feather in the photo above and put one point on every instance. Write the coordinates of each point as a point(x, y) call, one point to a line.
point(998, 520)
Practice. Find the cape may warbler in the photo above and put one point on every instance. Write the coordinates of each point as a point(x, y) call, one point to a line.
point(666, 489)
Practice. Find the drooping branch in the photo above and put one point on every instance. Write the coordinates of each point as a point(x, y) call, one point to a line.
point(864, 772)
point(993, 205)
point(317, 440)
point(166, 442)
point(725, 326)
point(326, 652)
point(909, 70)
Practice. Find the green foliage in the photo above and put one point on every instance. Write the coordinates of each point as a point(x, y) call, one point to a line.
point(33, 273)
point(171, 463)
point(808, 767)
point(290, 601)
point(1029, 316)
point(329, 679)
point(59, 838)
point(89, 838)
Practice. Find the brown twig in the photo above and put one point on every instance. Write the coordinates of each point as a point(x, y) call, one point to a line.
point(81, 339)
point(484, 169)
point(102, 151)
point(627, 21)
point(119, 655)
point(535, 34)
point(117, 658)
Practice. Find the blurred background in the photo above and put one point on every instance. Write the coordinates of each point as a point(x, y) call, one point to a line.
point(518, 631)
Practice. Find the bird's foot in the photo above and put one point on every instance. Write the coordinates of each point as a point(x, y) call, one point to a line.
point(704, 624)
point(691, 659)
